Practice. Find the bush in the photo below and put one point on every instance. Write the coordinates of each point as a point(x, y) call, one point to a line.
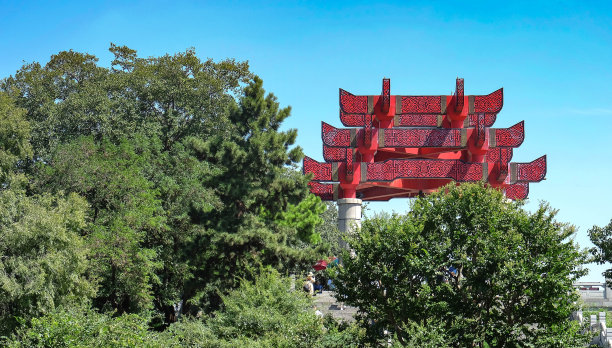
point(79, 327)
point(263, 313)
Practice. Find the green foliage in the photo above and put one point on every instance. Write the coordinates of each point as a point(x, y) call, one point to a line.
point(340, 334)
point(304, 217)
point(125, 210)
point(262, 313)
point(256, 149)
point(483, 267)
point(328, 230)
point(266, 310)
point(82, 327)
point(43, 260)
point(14, 138)
point(258, 220)
point(170, 97)
point(177, 157)
point(602, 252)
point(227, 256)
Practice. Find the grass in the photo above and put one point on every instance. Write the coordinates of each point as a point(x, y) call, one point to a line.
point(587, 312)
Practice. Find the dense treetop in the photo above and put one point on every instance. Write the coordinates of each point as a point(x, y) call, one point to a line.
point(470, 266)
point(187, 180)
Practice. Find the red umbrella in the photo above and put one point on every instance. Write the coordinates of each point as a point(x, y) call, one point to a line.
point(320, 265)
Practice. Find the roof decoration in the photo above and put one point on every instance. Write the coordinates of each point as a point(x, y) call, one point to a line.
point(404, 146)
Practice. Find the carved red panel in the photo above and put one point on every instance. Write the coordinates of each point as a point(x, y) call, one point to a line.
point(349, 164)
point(489, 119)
point(510, 137)
point(489, 103)
point(353, 104)
point(321, 171)
point(367, 133)
point(386, 95)
point(422, 111)
point(334, 136)
point(380, 171)
point(534, 171)
point(421, 105)
point(334, 154)
point(498, 159)
point(520, 190)
point(351, 120)
point(501, 155)
point(325, 191)
point(424, 169)
point(398, 137)
point(480, 130)
point(421, 120)
point(459, 95)
point(468, 171)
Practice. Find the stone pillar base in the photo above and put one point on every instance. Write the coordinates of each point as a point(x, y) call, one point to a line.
point(349, 217)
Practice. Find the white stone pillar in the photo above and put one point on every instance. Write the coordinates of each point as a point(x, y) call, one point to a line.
point(349, 217)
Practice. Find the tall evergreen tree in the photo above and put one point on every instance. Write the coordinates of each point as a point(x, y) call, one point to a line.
point(255, 186)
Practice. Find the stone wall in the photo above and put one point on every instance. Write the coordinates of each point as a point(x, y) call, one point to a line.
point(594, 294)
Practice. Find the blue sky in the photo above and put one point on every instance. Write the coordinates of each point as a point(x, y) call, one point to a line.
point(554, 61)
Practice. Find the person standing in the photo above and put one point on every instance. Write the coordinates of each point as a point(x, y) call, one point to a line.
point(309, 284)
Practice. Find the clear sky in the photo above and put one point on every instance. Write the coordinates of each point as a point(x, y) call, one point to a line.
point(554, 61)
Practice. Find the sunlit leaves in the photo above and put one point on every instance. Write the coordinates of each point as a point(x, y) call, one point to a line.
point(465, 257)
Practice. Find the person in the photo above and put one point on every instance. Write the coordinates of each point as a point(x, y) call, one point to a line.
point(318, 287)
point(309, 284)
point(330, 285)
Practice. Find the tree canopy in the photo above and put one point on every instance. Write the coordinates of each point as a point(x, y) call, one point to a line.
point(15, 146)
point(189, 181)
point(43, 261)
point(468, 262)
point(602, 252)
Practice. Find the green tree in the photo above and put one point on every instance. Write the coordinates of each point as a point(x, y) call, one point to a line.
point(328, 230)
point(305, 217)
point(15, 145)
point(169, 97)
point(487, 270)
point(190, 180)
point(602, 252)
point(125, 211)
point(253, 156)
point(43, 258)
point(267, 310)
point(256, 224)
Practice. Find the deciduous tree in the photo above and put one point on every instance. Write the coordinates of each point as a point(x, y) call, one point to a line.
point(43, 258)
point(468, 260)
point(15, 148)
point(602, 252)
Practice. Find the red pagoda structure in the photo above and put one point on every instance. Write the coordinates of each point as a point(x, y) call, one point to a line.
point(404, 146)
